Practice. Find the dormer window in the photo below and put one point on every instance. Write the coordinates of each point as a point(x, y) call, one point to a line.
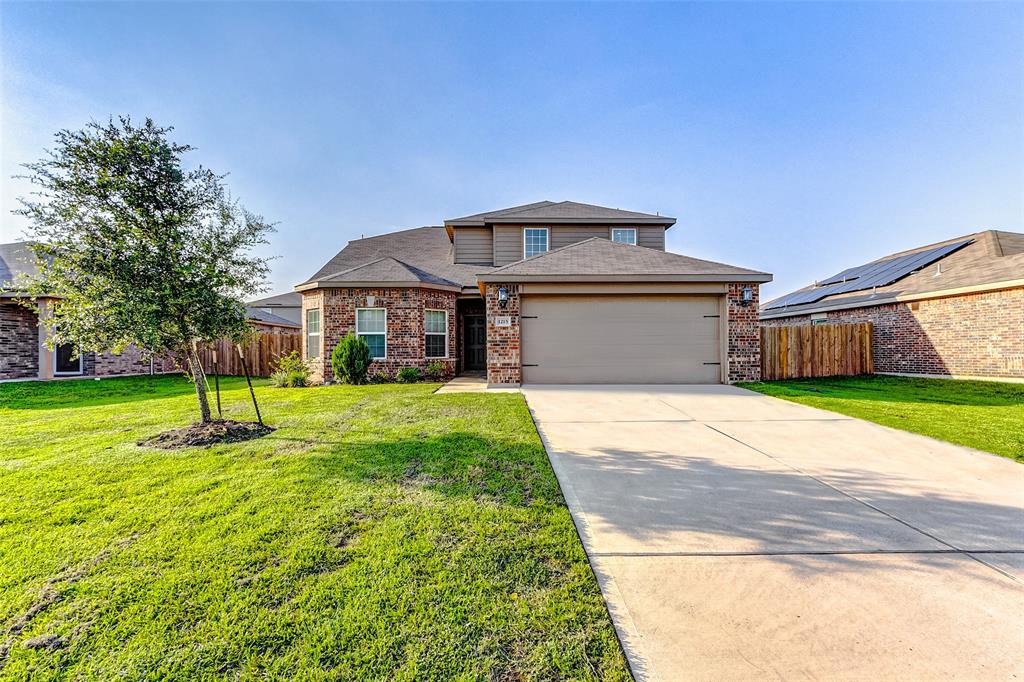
point(535, 240)
point(624, 235)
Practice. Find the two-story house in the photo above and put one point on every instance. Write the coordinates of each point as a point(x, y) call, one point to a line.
point(551, 292)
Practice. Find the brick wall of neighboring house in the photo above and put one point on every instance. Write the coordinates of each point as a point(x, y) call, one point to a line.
point(406, 342)
point(19, 342)
point(131, 361)
point(744, 347)
point(503, 343)
point(970, 335)
point(503, 361)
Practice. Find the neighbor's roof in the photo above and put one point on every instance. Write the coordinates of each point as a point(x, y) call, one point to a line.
point(987, 260)
point(598, 259)
point(257, 315)
point(422, 254)
point(561, 212)
point(16, 259)
point(290, 299)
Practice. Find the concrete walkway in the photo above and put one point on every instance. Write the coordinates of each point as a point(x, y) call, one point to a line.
point(737, 536)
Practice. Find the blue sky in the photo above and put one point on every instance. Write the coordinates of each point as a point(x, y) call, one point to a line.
point(794, 138)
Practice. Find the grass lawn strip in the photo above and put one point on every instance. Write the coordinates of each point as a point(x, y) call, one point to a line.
point(985, 415)
point(379, 532)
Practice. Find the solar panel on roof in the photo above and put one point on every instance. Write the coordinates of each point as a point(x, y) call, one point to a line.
point(877, 274)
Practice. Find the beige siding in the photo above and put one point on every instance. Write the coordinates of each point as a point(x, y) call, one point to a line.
point(508, 240)
point(563, 235)
point(474, 245)
point(621, 339)
point(651, 236)
point(508, 244)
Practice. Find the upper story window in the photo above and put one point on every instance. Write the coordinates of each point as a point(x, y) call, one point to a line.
point(535, 240)
point(372, 325)
point(624, 235)
point(436, 327)
point(312, 333)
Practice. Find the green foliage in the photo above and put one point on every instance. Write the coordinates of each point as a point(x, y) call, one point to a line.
point(380, 377)
point(409, 375)
point(140, 250)
point(291, 371)
point(435, 370)
point(986, 415)
point(350, 360)
point(389, 534)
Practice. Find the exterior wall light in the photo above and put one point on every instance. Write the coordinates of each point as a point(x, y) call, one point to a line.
point(502, 297)
point(748, 294)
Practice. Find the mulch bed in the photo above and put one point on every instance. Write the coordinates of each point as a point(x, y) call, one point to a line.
point(210, 433)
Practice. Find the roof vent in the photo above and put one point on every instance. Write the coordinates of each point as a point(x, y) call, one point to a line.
point(938, 269)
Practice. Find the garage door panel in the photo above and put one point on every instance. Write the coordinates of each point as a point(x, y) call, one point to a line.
point(620, 339)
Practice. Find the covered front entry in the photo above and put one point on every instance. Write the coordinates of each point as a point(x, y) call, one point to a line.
point(615, 339)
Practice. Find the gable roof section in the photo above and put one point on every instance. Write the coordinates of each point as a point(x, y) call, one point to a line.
point(562, 212)
point(16, 259)
point(985, 260)
point(425, 250)
point(288, 299)
point(257, 315)
point(597, 260)
point(390, 270)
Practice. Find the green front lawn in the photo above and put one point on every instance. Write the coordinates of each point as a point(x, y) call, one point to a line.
point(380, 533)
point(986, 415)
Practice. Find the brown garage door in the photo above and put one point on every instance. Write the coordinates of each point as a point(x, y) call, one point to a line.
point(620, 339)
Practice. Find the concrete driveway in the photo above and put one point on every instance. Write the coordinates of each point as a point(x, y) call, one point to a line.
point(737, 536)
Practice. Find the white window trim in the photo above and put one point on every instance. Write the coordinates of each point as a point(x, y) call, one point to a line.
point(547, 240)
point(80, 370)
point(426, 334)
point(320, 324)
point(636, 235)
point(385, 332)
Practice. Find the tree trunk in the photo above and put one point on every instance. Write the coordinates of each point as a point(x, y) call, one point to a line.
point(196, 368)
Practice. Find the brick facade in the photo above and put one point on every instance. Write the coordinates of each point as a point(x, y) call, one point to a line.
point(406, 342)
point(978, 334)
point(503, 359)
point(503, 343)
point(19, 342)
point(20, 352)
point(744, 343)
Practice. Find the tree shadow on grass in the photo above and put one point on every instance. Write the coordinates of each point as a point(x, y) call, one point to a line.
point(75, 393)
point(456, 464)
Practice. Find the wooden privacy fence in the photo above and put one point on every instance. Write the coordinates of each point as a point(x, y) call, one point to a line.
point(261, 354)
point(816, 351)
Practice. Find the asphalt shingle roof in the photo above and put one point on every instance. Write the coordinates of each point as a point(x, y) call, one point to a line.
point(994, 256)
point(258, 315)
point(426, 249)
point(597, 256)
point(561, 212)
point(290, 299)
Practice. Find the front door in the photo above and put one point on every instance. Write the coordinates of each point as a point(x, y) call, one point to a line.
point(474, 350)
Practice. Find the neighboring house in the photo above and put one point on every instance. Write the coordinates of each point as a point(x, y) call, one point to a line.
point(287, 306)
point(280, 314)
point(542, 293)
point(953, 308)
point(23, 352)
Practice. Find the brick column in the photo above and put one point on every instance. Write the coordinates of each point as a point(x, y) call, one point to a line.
point(744, 335)
point(503, 361)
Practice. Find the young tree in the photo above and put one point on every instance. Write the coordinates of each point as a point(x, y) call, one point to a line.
point(137, 249)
